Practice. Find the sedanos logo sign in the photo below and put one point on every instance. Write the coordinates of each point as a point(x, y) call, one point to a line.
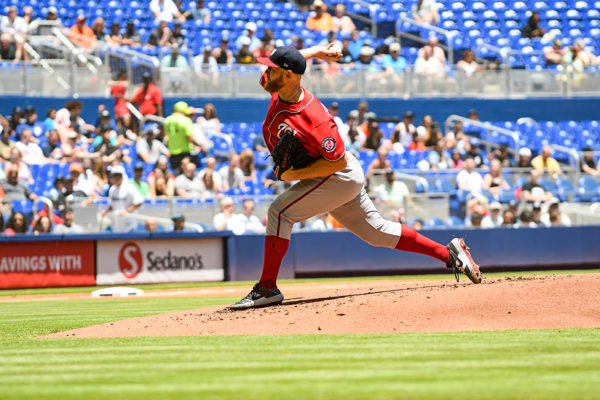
point(160, 260)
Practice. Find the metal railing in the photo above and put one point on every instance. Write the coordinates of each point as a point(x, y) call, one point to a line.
point(487, 127)
point(449, 47)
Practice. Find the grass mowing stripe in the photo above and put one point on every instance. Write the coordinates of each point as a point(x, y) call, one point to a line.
point(193, 285)
point(474, 365)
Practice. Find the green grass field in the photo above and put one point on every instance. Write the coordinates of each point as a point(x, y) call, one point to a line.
point(550, 364)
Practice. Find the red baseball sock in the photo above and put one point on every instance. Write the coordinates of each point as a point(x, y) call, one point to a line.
point(412, 241)
point(275, 249)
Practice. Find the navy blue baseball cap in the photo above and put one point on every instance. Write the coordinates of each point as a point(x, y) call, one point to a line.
point(287, 58)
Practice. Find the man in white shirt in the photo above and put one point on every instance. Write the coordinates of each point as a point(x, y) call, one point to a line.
point(80, 183)
point(468, 179)
point(189, 185)
point(68, 226)
point(392, 191)
point(149, 149)
point(247, 222)
point(165, 10)
point(205, 66)
point(123, 199)
point(233, 176)
point(31, 152)
point(14, 22)
point(250, 34)
point(428, 66)
point(226, 219)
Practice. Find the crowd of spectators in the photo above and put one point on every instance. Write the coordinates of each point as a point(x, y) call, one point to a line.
point(109, 158)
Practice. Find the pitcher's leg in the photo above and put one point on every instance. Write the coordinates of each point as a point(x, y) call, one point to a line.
point(303, 200)
point(362, 218)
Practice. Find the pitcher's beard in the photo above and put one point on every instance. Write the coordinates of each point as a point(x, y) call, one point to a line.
point(273, 86)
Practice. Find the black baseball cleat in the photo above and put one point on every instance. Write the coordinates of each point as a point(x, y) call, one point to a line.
point(460, 260)
point(259, 296)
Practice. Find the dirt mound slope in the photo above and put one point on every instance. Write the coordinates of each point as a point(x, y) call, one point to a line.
point(538, 302)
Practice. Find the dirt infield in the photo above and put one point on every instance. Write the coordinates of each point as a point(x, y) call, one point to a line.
point(538, 302)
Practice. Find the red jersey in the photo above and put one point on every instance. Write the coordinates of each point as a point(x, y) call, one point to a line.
point(311, 123)
point(120, 102)
point(148, 99)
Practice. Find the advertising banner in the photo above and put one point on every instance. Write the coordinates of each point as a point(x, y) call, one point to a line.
point(46, 264)
point(159, 260)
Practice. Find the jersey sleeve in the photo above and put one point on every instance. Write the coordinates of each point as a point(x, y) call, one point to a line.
point(327, 140)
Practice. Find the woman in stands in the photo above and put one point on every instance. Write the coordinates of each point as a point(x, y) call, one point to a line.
point(43, 225)
point(24, 172)
point(247, 165)
point(493, 180)
point(161, 181)
point(209, 122)
point(99, 176)
point(16, 224)
point(99, 28)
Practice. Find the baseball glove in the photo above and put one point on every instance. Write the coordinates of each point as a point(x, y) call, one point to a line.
point(288, 153)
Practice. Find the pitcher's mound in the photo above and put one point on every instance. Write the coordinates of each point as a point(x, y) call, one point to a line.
point(539, 302)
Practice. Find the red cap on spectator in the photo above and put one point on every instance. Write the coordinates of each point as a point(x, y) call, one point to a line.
point(76, 167)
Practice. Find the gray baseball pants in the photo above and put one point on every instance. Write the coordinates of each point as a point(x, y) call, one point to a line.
point(342, 195)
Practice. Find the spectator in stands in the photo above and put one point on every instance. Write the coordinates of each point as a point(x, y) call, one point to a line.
point(474, 152)
point(138, 182)
point(68, 226)
point(188, 184)
point(206, 68)
point(508, 218)
point(494, 180)
point(225, 220)
point(210, 168)
point(231, 174)
point(114, 37)
point(6, 144)
point(187, 14)
point(321, 224)
point(38, 129)
point(244, 55)
point(437, 158)
point(30, 151)
point(426, 11)
point(374, 135)
point(403, 132)
point(118, 90)
point(433, 47)
point(201, 13)
point(553, 216)
point(81, 34)
point(178, 222)
point(68, 119)
point(545, 163)
point(12, 21)
point(525, 219)
point(532, 191)
point(588, 163)
point(24, 174)
point(501, 154)
point(13, 188)
point(247, 165)
point(577, 58)
point(392, 191)
point(365, 58)
point(468, 179)
point(123, 199)
point(81, 184)
point(494, 218)
point(342, 22)
point(8, 48)
point(247, 222)
point(555, 55)
point(51, 148)
point(161, 181)
point(320, 20)
point(177, 36)
point(222, 54)
point(524, 158)
point(149, 149)
point(131, 37)
point(533, 29)
point(150, 225)
point(98, 177)
point(160, 36)
point(250, 34)
point(17, 224)
point(148, 98)
point(52, 14)
point(165, 10)
point(379, 163)
point(428, 131)
point(42, 225)
point(355, 44)
point(429, 68)
point(347, 58)
point(174, 59)
point(180, 133)
point(468, 65)
point(210, 123)
point(99, 29)
point(106, 146)
point(334, 110)
point(456, 162)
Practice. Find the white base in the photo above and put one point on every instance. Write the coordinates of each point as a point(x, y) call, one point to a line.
point(120, 291)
